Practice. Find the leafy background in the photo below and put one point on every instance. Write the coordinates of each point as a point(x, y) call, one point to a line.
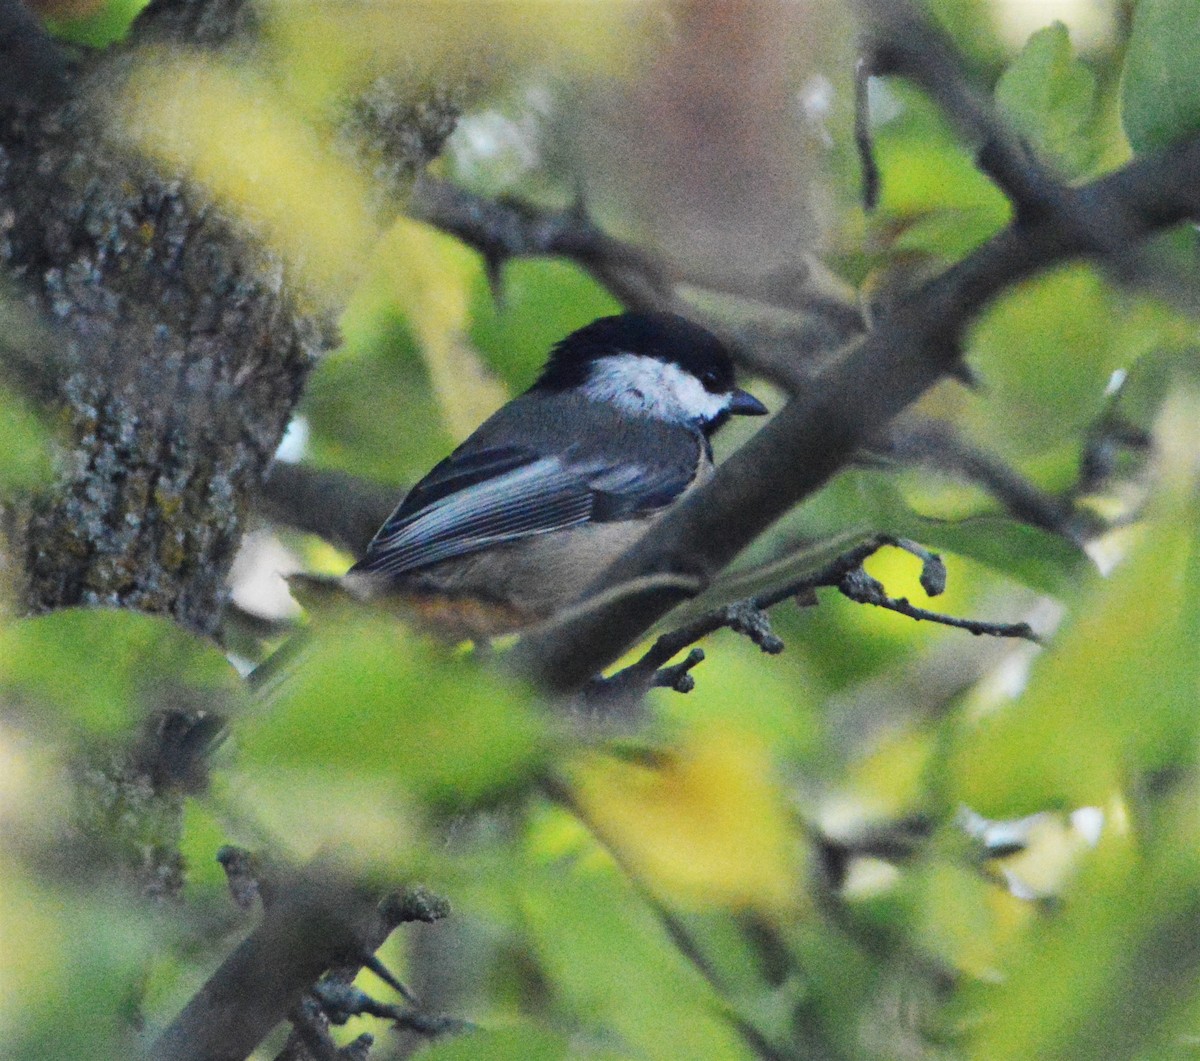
point(1014, 828)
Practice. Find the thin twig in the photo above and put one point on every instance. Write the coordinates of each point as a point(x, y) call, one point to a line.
point(341, 1000)
point(862, 136)
point(506, 228)
point(678, 676)
point(860, 587)
point(748, 617)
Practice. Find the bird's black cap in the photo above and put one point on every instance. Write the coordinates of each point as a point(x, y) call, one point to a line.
point(665, 336)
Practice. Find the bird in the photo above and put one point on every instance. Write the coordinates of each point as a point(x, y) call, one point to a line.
point(521, 519)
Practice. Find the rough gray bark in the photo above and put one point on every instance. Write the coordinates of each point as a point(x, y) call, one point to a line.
point(175, 349)
point(182, 349)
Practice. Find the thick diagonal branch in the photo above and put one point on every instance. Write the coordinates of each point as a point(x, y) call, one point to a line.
point(911, 346)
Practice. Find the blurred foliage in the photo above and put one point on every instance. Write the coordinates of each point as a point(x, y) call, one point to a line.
point(1049, 97)
point(25, 444)
point(94, 23)
point(869, 846)
point(701, 823)
point(1161, 93)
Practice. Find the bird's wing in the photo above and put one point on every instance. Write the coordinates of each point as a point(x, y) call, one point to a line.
point(474, 500)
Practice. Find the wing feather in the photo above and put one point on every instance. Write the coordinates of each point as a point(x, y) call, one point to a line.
point(537, 498)
point(520, 475)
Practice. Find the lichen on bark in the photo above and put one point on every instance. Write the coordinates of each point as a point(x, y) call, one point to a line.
point(184, 345)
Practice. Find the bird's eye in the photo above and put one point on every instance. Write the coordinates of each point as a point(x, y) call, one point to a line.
point(709, 379)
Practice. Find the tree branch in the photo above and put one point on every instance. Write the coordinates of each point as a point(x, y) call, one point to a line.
point(182, 344)
point(500, 229)
point(863, 140)
point(748, 617)
point(313, 921)
point(195, 23)
point(914, 342)
point(343, 509)
point(940, 445)
point(901, 40)
point(505, 228)
point(861, 587)
point(316, 922)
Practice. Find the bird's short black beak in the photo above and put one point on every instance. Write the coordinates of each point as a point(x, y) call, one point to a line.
point(743, 403)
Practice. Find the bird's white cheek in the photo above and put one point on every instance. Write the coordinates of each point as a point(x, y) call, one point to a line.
point(647, 386)
point(707, 406)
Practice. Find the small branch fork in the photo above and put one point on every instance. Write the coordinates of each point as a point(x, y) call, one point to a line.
point(506, 228)
point(845, 573)
point(318, 931)
point(899, 40)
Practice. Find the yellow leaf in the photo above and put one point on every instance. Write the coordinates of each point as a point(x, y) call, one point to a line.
point(704, 826)
point(231, 131)
point(431, 275)
point(966, 921)
point(332, 50)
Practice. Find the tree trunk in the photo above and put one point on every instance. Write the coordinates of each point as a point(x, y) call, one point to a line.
point(181, 349)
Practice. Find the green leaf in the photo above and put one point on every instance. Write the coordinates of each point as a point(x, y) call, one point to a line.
point(25, 445)
point(502, 1044)
point(972, 24)
point(400, 432)
point(102, 670)
point(878, 501)
point(612, 966)
point(370, 406)
point(87, 945)
point(107, 25)
point(1050, 99)
point(1111, 975)
point(1115, 693)
point(1160, 96)
point(544, 299)
point(935, 199)
point(368, 699)
point(1046, 353)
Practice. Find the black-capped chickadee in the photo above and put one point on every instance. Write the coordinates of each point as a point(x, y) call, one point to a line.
point(519, 520)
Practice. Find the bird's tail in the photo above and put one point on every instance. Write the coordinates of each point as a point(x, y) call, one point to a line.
point(451, 617)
